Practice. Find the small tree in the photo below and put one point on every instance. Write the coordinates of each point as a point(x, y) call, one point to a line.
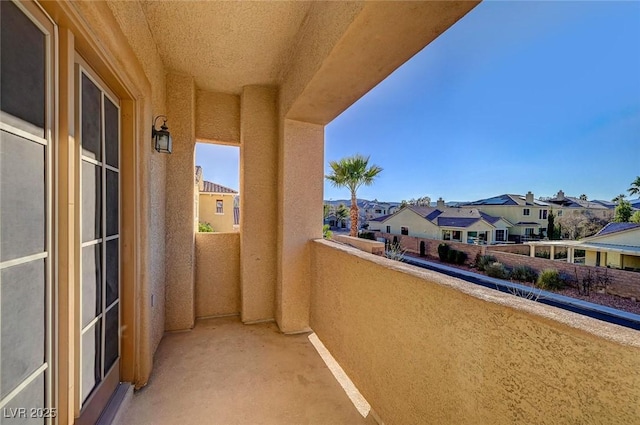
point(550, 225)
point(623, 212)
point(583, 197)
point(635, 218)
point(341, 214)
point(204, 227)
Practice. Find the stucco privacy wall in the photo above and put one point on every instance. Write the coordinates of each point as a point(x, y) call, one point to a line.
point(217, 287)
point(258, 200)
point(426, 348)
point(180, 303)
point(300, 217)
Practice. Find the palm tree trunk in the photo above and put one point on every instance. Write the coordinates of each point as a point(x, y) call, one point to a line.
point(353, 212)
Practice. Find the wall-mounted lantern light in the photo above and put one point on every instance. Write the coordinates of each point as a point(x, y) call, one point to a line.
point(162, 137)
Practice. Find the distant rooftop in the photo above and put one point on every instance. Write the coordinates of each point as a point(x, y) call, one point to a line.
point(617, 227)
point(210, 187)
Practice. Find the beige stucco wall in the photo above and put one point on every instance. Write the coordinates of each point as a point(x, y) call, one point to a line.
point(130, 17)
point(217, 117)
point(207, 211)
point(426, 348)
point(366, 245)
point(258, 197)
point(180, 307)
point(514, 214)
point(217, 287)
point(623, 238)
point(418, 226)
point(300, 180)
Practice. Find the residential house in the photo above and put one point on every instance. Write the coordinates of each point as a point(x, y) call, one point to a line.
point(217, 206)
point(528, 215)
point(617, 245)
point(562, 204)
point(100, 264)
point(449, 224)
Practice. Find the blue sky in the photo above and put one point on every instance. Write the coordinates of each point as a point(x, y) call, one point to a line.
point(516, 96)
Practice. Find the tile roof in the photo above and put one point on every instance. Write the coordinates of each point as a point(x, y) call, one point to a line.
point(210, 187)
point(381, 218)
point(617, 227)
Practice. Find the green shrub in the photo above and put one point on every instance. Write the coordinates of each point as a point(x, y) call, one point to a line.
point(461, 257)
point(524, 274)
point(483, 261)
point(550, 279)
point(443, 251)
point(451, 256)
point(367, 235)
point(497, 270)
point(326, 233)
point(204, 227)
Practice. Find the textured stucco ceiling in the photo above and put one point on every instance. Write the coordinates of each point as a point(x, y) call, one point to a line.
point(226, 45)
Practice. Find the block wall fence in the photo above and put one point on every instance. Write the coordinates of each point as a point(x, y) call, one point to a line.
point(621, 282)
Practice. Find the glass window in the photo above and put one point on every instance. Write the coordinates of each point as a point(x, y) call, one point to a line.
point(526, 211)
point(500, 235)
point(543, 214)
point(446, 235)
point(219, 206)
point(388, 229)
point(456, 235)
point(404, 230)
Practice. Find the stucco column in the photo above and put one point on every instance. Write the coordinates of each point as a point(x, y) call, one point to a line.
point(179, 242)
point(258, 204)
point(532, 250)
point(552, 252)
point(570, 254)
point(301, 178)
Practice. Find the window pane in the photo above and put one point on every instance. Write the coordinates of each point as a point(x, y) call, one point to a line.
point(91, 119)
point(112, 271)
point(91, 202)
point(22, 69)
point(22, 197)
point(111, 338)
point(111, 118)
point(31, 397)
point(22, 302)
point(112, 203)
point(91, 283)
point(91, 351)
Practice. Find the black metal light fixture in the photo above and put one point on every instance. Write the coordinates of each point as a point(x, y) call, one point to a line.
point(162, 137)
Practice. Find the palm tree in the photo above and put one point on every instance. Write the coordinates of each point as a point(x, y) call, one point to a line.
point(635, 187)
point(341, 214)
point(352, 172)
point(619, 198)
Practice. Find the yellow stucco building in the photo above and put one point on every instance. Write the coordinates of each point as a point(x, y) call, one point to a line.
point(100, 262)
point(216, 207)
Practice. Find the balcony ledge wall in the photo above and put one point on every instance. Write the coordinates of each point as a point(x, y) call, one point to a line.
point(427, 348)
point(217, 286)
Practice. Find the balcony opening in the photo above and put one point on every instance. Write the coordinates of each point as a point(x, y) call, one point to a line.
point(495, 116)
point(216, 190)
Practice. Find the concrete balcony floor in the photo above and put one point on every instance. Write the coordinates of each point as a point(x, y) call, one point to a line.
point(224, 372)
